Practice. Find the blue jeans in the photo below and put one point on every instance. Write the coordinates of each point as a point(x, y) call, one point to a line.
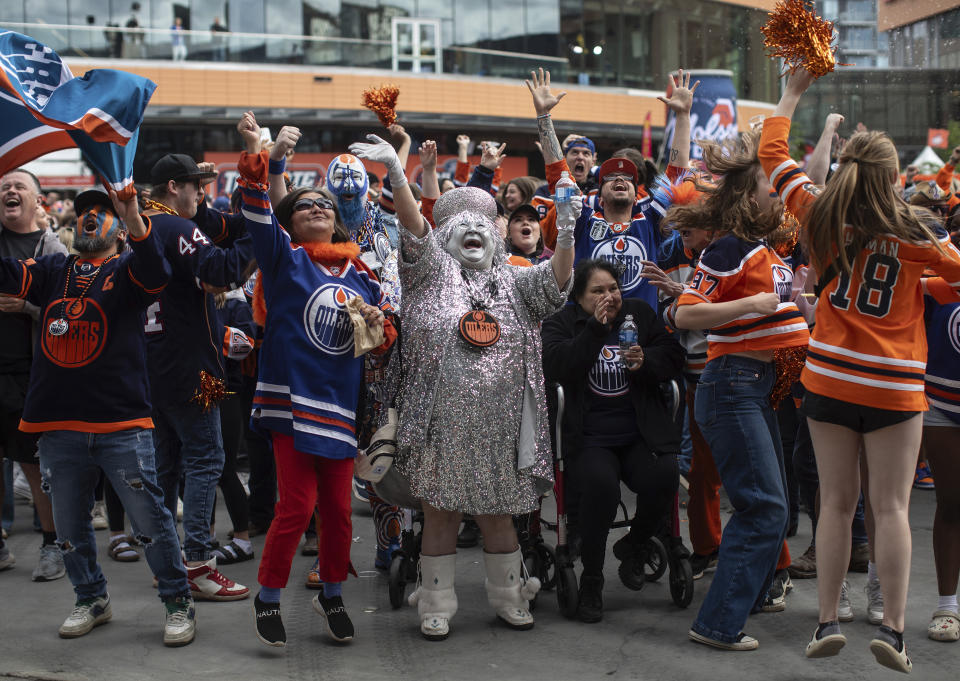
point(70, 463)
point(733, 410)
point(189, 444)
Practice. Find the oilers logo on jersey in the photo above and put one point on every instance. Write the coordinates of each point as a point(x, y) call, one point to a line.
point(607, 377)
point(625, 252)
point(953, 330)
point(782, 282)
point(326, 320)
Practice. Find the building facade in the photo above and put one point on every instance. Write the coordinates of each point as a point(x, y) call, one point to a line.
point(922, 33)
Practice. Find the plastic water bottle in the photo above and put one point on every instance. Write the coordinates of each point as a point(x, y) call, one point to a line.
point(564, 190)
point(628, 337)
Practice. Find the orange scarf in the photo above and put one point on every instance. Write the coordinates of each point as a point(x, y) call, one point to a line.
point(319, 252)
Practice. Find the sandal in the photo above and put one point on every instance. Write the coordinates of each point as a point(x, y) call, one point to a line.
point(944, 626)
point(313, 580)
point(121, 550)
point(232, 553)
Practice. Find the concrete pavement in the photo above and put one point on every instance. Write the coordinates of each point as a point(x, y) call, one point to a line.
point(642, 636)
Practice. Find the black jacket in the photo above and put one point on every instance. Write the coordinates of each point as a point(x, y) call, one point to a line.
point(572, 340)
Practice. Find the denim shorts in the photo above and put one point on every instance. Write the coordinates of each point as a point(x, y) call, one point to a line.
point(856, 417)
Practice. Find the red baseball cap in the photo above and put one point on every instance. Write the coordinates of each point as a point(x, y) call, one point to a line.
point(622, 166)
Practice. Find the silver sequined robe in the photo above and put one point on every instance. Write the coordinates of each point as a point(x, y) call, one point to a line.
point(460, 415)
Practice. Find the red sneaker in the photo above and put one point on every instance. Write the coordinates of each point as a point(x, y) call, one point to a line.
point(207, 584)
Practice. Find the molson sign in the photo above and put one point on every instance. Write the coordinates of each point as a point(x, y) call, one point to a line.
point(714, 113)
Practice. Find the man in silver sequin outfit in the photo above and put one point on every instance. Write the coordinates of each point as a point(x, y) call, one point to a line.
point(473, 424)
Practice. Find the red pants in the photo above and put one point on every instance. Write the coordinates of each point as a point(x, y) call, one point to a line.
point(703, 509)
point(305, 482)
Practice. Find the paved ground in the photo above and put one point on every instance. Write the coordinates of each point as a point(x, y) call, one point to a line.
point(642, 636)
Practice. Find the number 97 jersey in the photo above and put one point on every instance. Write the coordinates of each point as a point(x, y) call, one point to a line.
point(868, 345)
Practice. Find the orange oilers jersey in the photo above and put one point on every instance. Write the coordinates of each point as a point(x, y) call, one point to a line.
point(868, 345)
point(731, 268)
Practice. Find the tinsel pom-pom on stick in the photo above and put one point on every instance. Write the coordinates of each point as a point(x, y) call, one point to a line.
point(383, 102)
point(211, 391)
point(795, 33)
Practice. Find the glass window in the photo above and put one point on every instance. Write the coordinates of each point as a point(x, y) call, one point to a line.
point(435, 9)
point(542, 16)
point(283, 17)
point(471, 22)
point(506, 19)
point(12, 10)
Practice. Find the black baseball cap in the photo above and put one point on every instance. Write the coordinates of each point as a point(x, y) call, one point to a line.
point(179, 167)
point(525, 208)
point(92, 198)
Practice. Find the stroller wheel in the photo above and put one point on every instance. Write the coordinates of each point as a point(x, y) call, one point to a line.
point(681, 582)
point(657, 560)
point(568, 597)
point(548, 567)
point(398, 579)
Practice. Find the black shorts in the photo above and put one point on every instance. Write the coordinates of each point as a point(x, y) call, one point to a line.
point(856, 417)
point(17, 445)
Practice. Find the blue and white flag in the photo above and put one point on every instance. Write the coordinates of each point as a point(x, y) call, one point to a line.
point(45, 108)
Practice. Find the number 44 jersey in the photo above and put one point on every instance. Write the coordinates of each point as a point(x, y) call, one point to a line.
point(183, 332)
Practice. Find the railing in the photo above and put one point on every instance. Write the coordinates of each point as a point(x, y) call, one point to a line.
point(70, 40)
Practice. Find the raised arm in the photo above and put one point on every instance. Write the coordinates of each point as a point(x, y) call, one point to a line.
point(543, 102)
point(819, 164)
point(428, 162)
point(381, 151)
point(286, 140)
point(680, 102)
point(400, 135)
point(797, 84)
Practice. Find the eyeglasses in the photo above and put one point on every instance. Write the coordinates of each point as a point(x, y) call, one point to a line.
point(617, 176)
point(307, 204)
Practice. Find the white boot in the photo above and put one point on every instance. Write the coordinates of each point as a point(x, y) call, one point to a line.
point(509, 590)
point(435, 598)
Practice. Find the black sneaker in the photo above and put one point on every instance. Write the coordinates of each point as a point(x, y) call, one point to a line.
point(776, 599)
point(269, 624)
point(339, 625)
point(590, 608)
point(700, 563)
point(470, 534)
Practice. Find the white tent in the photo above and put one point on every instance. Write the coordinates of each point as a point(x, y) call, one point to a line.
point(928, 162)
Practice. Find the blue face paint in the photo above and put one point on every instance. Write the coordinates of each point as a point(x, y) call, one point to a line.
point(346, 175)
point(108, 225)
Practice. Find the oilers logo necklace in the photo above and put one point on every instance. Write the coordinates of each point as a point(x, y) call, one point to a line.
point(60, 325)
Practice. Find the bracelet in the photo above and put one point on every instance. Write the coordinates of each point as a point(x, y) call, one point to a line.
point(546, 115)
point(277, 167)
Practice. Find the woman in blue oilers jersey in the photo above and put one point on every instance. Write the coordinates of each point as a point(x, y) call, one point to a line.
point(309, 379)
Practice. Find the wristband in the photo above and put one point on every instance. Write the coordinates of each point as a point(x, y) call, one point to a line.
point(277, 167)
point(546, 115)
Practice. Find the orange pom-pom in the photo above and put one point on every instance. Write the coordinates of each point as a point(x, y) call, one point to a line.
point(795, 33)
point(211, 391)
point(383, 102)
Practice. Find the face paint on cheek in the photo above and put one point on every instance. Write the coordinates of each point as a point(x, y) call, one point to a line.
point(108, 225)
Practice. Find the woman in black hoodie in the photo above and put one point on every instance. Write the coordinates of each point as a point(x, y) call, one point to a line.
point(616, 425)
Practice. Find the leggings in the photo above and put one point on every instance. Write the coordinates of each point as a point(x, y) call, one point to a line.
point(234, 496)
point(598, 471)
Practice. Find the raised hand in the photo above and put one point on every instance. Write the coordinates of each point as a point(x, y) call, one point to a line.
point(377, 149)
point(653, 274)
point(128, 210)
point(681, 99)
point(799, 81)
point(207, 167)
point(428, 155)
point(398, 132)
point(833, 121)
point(543, 99)
point(570, 139)
point(492, 157)
point(250, 132)
point(286, 140)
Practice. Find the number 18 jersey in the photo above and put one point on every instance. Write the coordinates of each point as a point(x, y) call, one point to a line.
point(868, 345)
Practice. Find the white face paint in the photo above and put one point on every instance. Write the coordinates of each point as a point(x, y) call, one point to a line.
point(472, 242)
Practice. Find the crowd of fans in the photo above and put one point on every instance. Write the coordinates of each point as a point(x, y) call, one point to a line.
point(794, 306)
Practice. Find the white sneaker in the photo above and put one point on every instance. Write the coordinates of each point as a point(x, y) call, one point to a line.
point(99, 516)
point(845, 609)
point(85, 616)
point(180, 622)
point(874, 601)
point(50, 566)
point(21, 487)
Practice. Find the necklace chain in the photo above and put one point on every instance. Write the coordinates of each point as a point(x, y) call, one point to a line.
point(150, 204)
point(66, 285)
